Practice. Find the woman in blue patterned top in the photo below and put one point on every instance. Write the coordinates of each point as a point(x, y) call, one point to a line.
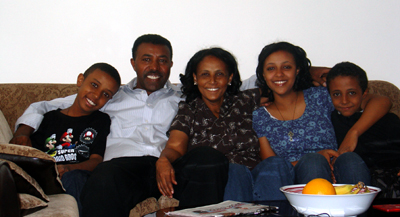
point(296, 127)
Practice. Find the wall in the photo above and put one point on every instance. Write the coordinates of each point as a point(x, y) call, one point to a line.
point(53, 41)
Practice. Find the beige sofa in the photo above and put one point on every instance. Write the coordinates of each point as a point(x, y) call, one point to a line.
point(15, 98)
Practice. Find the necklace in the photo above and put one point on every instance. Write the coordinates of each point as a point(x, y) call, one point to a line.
point(290, 134)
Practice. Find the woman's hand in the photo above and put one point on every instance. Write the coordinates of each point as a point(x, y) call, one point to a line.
point(165, 175)
point(328, 154)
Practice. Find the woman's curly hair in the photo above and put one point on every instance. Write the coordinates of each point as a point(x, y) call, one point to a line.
point(191, 91)
point(303, 78)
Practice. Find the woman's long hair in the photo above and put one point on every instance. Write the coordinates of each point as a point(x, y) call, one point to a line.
point(303, 78)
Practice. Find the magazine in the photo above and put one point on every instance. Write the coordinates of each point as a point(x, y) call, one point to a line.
point(226, 208)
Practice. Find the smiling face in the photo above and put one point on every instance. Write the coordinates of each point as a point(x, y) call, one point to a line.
point(212, 78)
point(94, 92)
point(346, 94)
point(152, 66)
point(280, 72)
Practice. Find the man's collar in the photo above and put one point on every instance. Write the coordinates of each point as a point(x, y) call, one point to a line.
point(167, 86)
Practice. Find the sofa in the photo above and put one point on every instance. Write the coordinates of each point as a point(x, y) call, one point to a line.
point(16, 97)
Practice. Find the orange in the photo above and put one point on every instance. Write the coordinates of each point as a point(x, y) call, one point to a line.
point(319, 186)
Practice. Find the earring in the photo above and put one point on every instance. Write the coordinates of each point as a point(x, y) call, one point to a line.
point(229, 83)
point(195, 83)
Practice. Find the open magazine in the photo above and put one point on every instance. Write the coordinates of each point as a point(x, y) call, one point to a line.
point(226, 208)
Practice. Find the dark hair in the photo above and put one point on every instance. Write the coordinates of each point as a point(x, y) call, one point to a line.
point(105, 67)
point(191, 91)
point(303, 79)
point(348, 69)
point(152, 39)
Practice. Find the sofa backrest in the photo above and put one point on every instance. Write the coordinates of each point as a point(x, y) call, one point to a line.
point(15, 98)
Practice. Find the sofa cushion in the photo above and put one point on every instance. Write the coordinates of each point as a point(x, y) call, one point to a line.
point(25, 183)
point(5, 131)
point(39, 165)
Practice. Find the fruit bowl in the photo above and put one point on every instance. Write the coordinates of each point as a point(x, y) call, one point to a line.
point(333, 205)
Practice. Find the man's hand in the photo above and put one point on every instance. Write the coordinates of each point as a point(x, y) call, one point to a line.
point(22, 136)
point(264, 101)
point(165, 177)
point(318, 75)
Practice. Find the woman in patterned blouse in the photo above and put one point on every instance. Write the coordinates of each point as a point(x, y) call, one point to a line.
point(296, 126)
point(217, 115)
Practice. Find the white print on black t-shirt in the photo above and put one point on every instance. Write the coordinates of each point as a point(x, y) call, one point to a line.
point(65, 155)
point(68, 151)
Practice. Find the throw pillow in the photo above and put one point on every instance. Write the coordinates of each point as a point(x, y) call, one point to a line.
point(30, 204)
point(39, 165)
point(25, 183)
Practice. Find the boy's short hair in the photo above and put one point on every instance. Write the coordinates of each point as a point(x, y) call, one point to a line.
point(105, 67)
point(348, 69)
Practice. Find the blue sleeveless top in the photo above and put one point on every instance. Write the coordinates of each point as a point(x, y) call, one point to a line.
point(312, 132)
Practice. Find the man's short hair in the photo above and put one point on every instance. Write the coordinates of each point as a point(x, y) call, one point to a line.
point(105, 67)
point(348, 69)
point(153, 39)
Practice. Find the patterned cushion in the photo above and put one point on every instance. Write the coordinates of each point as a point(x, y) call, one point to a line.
point(151, 205)
point(388, 89)
point(39, 165)
point(30, 204)
point(5, 132)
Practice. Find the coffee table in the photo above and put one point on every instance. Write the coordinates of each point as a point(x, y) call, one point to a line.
point(285, 209)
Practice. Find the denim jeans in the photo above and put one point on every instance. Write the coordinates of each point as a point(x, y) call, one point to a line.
point(73, 182)
point(349, 168)
point(260, 184)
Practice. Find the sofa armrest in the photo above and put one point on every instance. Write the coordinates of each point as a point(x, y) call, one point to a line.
point(5, 131)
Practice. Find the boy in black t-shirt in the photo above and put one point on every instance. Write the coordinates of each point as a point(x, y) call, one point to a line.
point(76, 136)
point(347, 85)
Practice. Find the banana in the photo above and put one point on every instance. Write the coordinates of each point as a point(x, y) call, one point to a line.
point(344, 189)
point(358, 188)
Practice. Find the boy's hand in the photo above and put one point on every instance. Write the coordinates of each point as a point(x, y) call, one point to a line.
point(63, 168)
point(318, 75)
point(22, 136)
point(349, 143)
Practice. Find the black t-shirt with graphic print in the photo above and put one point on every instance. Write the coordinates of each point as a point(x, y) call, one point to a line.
point(72, 139)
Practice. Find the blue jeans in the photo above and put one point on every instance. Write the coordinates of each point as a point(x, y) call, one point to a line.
point(349, 168)
point(73, 182)
point(260, 184)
